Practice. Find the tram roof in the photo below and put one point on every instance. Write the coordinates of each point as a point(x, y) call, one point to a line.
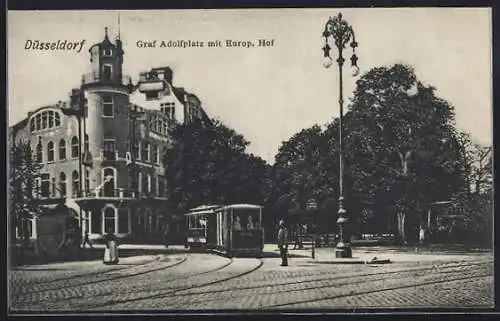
point(203, 209)
point(240, 206)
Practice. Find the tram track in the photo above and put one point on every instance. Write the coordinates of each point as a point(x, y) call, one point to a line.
point(172, 291)
point(99, 271)
point(177, 278)
point(309, 279)
point(353, 280)
point(470, 278)
point(16, 296)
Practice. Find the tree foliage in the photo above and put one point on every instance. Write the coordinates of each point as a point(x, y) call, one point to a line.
point(401, 151)
point(23, 190)
point(207, 164)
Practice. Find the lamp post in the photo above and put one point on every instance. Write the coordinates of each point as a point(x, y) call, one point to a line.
point(342, 34)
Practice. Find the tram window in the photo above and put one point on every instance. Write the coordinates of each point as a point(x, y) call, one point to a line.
point(247, 219)
point(237, 223)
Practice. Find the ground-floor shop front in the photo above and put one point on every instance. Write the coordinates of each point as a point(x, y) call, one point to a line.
point(131, 221)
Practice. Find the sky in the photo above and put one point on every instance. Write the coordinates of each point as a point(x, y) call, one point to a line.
point(265, 93)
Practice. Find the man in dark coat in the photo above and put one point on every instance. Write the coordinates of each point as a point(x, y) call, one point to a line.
point(283, 243)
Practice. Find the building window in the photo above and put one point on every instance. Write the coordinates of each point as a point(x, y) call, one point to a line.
point(145, 187)
point(86, 143)
point(109, 149)
point(109, 181)
point(168, 109)
point(107, 106)
point(145, 152)
point(161, 186)
point(109, 219)
point(152, 185)
point(39, 152)
point(139, 182)
point(51, 118)
point(62, 149)
point(75, 148)
point(154, 156)
point(152, 95)
point(53, 186)
point(45, 191)
point(106, 72)
point(107, 52)
point(50, 152)
point(139, 145)
point(87, 181)
point(62, 184)
point(44, 120)
point(123, 220)
point(96, 222)
point(75, 178)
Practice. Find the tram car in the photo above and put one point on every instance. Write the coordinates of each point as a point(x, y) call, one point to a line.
point(239, 230)
point(201, 227)
point(229, 230)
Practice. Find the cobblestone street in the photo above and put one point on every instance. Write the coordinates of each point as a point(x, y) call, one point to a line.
point(206, 281)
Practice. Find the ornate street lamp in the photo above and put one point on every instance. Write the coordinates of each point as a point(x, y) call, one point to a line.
point(341, 33)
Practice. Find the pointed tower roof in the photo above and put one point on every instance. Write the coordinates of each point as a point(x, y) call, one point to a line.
point(105, 43)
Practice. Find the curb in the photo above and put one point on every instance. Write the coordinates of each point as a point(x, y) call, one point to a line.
point(353, 261)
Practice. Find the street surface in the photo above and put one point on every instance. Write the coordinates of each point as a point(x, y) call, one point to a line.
point(207, 281)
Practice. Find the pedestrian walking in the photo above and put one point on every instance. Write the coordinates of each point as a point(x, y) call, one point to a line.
point(283, 243)
point(86, 240)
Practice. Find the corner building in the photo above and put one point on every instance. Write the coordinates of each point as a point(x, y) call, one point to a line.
point(102, 150)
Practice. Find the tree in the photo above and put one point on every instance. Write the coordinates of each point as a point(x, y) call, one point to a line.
point(304, 168)
point(207, 164)
point(402, 146)
point(23, 190)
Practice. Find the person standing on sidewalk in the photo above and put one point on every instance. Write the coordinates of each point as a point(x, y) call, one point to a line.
point(283, 243)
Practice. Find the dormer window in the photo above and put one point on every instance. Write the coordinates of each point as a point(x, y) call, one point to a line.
point(107, 52)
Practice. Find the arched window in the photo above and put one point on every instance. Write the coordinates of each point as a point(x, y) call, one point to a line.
point(44, 120)
point(39, 152)
point(62, 184)
point(38, 122)
point(57, 119)
point(109, 180)
point(109, 219)
point(75, 178)
point(32, 124)
point(50, 151)
point(51, 118)
point(74, 147)
point(62, 149)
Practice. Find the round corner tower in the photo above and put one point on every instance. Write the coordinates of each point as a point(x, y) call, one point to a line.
point(107, 119)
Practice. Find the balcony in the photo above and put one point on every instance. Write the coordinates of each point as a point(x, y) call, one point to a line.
point(93, 78)
point(118, 193)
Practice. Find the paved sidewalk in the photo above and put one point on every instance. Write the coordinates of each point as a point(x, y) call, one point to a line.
point(365, 254)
